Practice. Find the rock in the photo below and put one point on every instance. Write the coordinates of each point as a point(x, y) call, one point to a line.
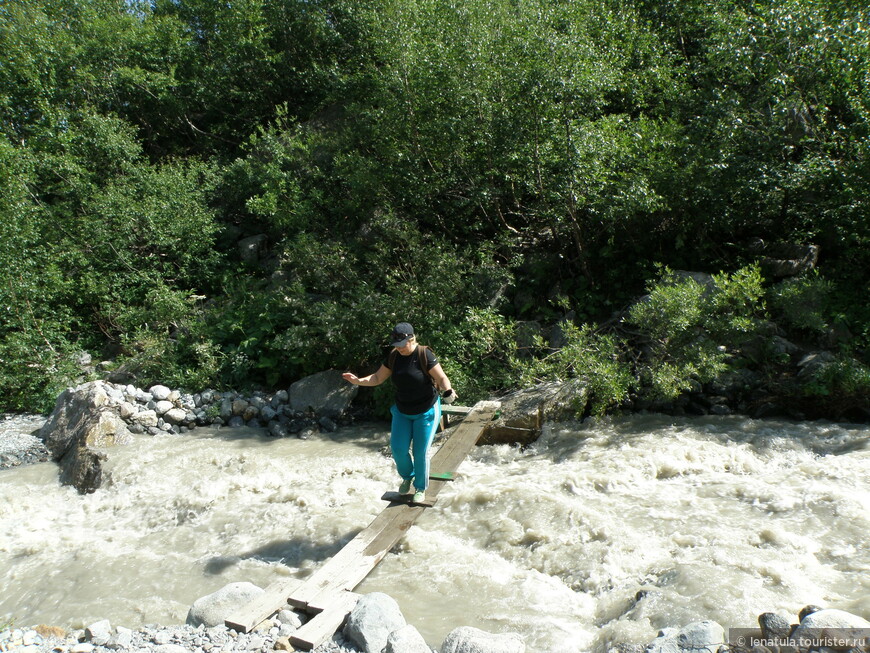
point(81, 423)
point(122, 639)
point(289, 618)
point(99, 633)
point(240, 406)
point(127, 410)
point(326, 393)
point(145, 418)
point(406, 639)
point(830, 623)
point(467, 639)
point(163, 407)
point(327, 424)
point(807, 610)
point(160, 392)
point(283, 644)
point(696, 637)
point(523, 413)
point(252, 249)
point(47, 632)
point(371, 622)
point(774, 626)
point(213, 609)
point(175, 416)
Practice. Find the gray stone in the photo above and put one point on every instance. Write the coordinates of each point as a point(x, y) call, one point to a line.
point(252, 249)
point(236, 422)
point(80, 425)
point(406, 639)
point(696, 637)
point(127, 410)
point(160, 392)
point(213, 609)
point(122, 639)
point(289, 618)
point(240, 406)
point(773, 626)
point(145, 418)
point(371, 622)
point(99, 633)
point(327, 424)
point(267, 413)
point(830, 623)
point(467, 639)
point(326, 393)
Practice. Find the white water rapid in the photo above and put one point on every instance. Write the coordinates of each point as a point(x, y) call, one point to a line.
point(709, 518)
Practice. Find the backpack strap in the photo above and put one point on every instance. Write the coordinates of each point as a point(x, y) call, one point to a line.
point(422, 359)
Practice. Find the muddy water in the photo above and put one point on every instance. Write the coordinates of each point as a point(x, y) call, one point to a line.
point(598, 534)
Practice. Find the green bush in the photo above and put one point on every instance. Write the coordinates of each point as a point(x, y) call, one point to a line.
point(802, 303)
point(684, 328)
point(597, 359)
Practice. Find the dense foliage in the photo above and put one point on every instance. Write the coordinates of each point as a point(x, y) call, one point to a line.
point(478, 169)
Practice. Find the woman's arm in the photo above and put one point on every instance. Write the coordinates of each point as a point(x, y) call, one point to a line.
point(440, 378)
point(377, 378)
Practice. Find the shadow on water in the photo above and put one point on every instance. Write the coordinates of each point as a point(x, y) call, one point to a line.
point(371, 437)
point(294, 553)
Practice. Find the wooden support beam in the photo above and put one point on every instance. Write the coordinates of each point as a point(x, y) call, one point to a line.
point(323, 626)
point(273, 599)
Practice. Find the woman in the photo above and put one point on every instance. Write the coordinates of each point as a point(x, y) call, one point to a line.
point(417, 378)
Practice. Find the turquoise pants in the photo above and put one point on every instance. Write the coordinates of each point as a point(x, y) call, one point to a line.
point(410, 438)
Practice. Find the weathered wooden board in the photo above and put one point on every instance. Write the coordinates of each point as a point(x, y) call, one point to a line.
point(264, 606)
point(323, 626)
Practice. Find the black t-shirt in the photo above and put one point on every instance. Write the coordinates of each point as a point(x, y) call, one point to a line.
point(415, 391)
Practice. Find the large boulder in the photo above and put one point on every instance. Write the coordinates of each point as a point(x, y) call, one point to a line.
point(212, 609)
point(83, 424)
point(467, 639)
point(832, 625)
point(524, 412)
point(326, 393)
point(374, 618)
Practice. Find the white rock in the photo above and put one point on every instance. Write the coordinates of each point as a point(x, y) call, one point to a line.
point(146, 418)
point(213, 609)
point(163, 407)
point(160, 392)
point(467, 639)
point(127, 410)
point(406, 640)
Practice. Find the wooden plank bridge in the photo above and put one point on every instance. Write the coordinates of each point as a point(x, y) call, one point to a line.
point(328, 593)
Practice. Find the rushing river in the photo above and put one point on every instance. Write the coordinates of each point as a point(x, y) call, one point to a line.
point(716, 518)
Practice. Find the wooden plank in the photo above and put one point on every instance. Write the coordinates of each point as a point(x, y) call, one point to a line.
point(346, 569)
point(456, 410)
point(362, 554)
point(325, 577)
point(323, 626)
point(273, 599)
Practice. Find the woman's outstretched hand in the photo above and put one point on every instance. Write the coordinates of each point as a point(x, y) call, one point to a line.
point(350, 378)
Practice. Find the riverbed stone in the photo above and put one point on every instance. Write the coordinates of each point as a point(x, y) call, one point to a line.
point(372, 620)
point(406, 639)
point(326, 393)
point(467, 639)
point(831, 623)
point(160, 392)
point(175, 416)
point(99, 633)
point(696, 637)
point(212, 609)
point(164, 406)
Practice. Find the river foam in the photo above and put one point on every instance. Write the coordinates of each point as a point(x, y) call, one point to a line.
point(597, 534)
